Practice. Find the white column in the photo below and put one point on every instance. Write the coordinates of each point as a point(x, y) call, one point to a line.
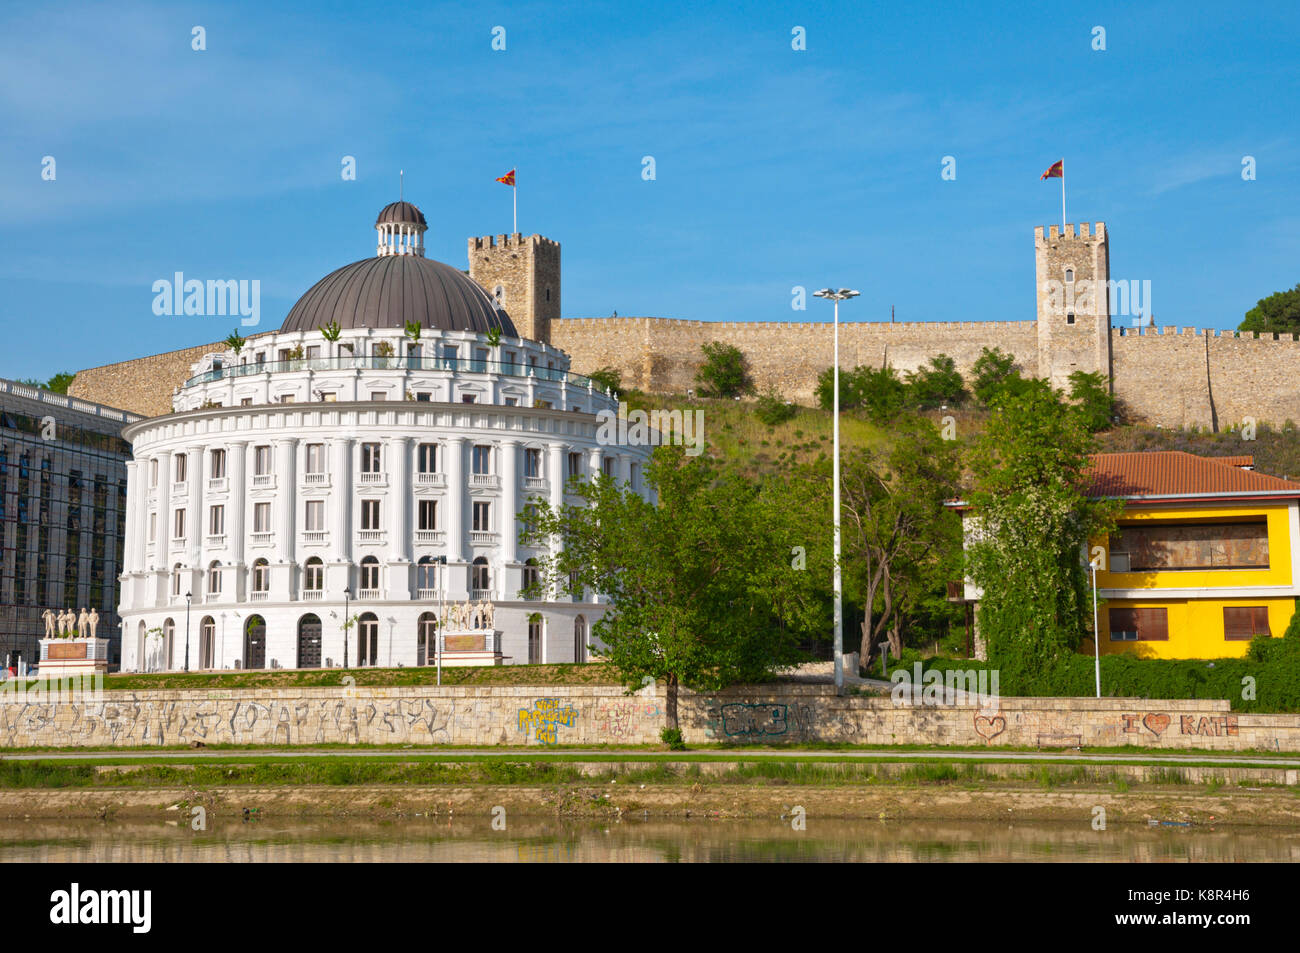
point(593, 461)
point(235, 480)
point(286, 497)
point(509, 528)
point(163, 529)
point(457, 491)
point(341, 494)
point(399, 507)
point(196, 524)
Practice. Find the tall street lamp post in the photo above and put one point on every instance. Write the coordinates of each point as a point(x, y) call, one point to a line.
point(347, 595)
point(187, 631)
point(842, 294)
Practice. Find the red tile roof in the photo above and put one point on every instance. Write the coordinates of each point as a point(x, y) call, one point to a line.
point(1174, 473)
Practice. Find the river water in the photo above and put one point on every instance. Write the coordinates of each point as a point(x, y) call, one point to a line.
point(537, 840)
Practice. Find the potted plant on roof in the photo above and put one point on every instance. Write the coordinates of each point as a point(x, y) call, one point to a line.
point(413, 330)
point(295, 358)
point(383, 351)
point(331, 332)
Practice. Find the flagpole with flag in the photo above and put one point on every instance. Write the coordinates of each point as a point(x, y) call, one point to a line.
point(1057, 171)
point(509, 179)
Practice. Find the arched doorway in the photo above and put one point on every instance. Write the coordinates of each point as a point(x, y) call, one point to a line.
point(426, 649)
point(309, 641)
point(255, 642)
point(207, 642)
point(580, 639)
point(367, 639)
point(169, 639)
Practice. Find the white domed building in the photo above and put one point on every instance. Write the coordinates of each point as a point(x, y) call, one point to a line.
point(348, 467)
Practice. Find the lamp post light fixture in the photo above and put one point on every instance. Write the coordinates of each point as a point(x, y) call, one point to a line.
point(187, 631)
point(347, 595)
point(843, 294)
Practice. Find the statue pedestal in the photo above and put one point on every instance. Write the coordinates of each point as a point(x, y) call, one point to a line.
point(464, 647)
point(77, 656)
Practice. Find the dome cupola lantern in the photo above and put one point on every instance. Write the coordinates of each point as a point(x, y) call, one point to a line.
point(401, 228)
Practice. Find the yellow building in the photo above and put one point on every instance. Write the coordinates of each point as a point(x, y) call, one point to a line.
point(1206, 555)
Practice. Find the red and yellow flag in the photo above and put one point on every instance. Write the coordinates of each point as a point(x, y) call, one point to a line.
point(1057, 171)
point(508, 178)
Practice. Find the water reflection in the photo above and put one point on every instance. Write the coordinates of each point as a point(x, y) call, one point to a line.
point(536, 840)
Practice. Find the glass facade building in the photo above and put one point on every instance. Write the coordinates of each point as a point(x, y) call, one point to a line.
point(62, 515)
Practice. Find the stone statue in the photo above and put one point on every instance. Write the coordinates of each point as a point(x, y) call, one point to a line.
point(48, 616)
point(489, 616)
point(94, 621)
point(454, 616)
point(65, 622)
point(83, 624)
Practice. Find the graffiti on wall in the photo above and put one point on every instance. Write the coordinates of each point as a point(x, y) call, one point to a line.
point(620, 720)
point(545, 718)
point(1215, 726)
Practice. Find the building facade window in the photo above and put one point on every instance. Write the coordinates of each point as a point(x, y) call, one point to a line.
point(1139, 625)
point(216, 520)
point(262, 460)
point(261, 576)
point(316, 458)
point(261, 517)
point(428, 458)
point(370, 573)
point(482, 516)
point(371, 458)
point(480, 581)
point(314, 517)
point(313, 577)
point(217, 464)
point(481, 460)
point(370, 514)
point(428, 514)
point(1243, 623)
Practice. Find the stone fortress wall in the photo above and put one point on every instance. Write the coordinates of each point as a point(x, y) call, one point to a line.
point(1170, 376)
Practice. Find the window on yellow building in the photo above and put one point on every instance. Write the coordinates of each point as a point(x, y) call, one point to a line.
point(1139, 625)
point(1243, 623)
point(1141, 547)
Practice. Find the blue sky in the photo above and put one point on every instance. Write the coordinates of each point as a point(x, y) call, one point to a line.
point(774, 168)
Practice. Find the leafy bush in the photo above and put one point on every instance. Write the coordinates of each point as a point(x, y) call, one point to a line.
point(1092, 400)
point(607, 378)
point(937, 385)
point(772, 409)
point(724, 372)
point(995, 376)
point(672, 737)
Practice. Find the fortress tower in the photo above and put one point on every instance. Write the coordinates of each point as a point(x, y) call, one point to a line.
point(523, 274)
point(1072, 274)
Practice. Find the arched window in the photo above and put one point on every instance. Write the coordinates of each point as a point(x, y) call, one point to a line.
point(169, 637)
point(479, 578)
point(255, 642)
point(207, 642)
point(426, 648)
point(532, 578)
point(261, 575)
point(313, 577)
point(176, 580)
point(1069, 275)
point(535, 638)
point(309, 641)
point(214, 578)
point(370, 574)
point(426, 576)
point(580, 639)
point(368, 639)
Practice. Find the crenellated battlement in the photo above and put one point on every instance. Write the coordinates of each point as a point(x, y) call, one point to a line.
point(1053, 233)
point(515, 240)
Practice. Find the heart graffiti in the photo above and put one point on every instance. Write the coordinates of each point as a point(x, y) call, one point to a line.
point(1156, 723)
point(990, 728)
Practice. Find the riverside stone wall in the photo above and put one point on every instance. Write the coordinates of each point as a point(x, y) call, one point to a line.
point(595, 715)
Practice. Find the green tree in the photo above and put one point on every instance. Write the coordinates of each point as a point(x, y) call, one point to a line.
point(705, 589)
point(607, 378)
point(994, 374)
point(235, 341)
point(895, 524)
point(1279, 312)
point(59, 383)
point(850, 396)
point(331, 331)
point(772, 409)
point(936, 385)
point(724, 372)
point(1092, 399)
point(1033, 522)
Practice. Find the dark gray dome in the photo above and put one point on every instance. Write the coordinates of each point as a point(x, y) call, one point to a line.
point(400, 213)
point(391, 290)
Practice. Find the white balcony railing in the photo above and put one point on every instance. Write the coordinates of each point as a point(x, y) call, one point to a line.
point(478, 595)
point(430, 537)
point(217, 485)
point(216, 539)
point(478, 538)
point(313, 594)
point(368, 594)
point(431, 479)
point(372, 479)
point(316, 479)
point(262, 539)
point(315, 536)
point(258, 595)
point(371, 536)
point(534, 483)
point(484, 479)
point(263, 480)
point(178, 489)
point(426, 593)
